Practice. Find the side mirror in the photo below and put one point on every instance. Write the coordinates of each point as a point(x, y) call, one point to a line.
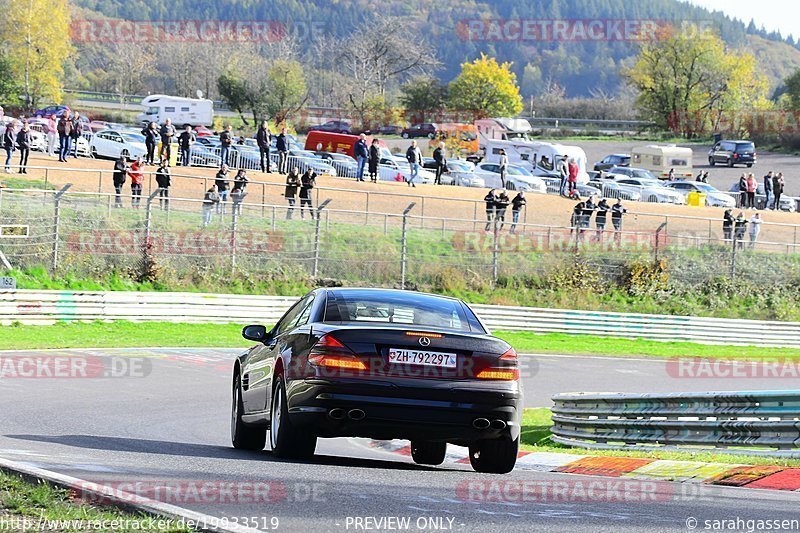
point(255, 332)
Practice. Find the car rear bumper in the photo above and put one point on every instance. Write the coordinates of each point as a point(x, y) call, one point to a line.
point(441, 411)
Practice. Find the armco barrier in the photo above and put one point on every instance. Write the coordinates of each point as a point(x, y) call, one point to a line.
point(757, 422)
point(46, 307)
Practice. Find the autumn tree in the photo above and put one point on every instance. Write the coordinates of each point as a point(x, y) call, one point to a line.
point(487, 87)
point(423, 93)
point(35, 34)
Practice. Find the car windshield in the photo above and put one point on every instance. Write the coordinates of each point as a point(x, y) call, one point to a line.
point(518, 171)
point(399, 308)
point(645, 174)
point(457, 165)
point(132, 137)
point(705, 187)
point(342, 157)
point(745, 147)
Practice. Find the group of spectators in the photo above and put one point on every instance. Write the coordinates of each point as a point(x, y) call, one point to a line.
point(736, 227)
point(62, 133)
point(497, 203)
point(774, 185)
point(582, 217)
point(215, 198)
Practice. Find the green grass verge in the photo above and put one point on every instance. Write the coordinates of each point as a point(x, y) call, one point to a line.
point(535, 437)
point(13, 182)
point(41, 503)
point(124, 334)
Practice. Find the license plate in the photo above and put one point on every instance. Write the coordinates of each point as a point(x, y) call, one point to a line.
point(421, 357)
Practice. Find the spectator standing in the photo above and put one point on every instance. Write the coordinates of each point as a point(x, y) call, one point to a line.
point(167, 134)
point(414, 158)
point(577, 216)
point(52, 135)
point(24, 145)
point(237, 196)
point(163, 180)
point(563, 171)
point(240, 180)
point(705, 176)
point(600, 218)
point(617, 211)
point(264, 140)
point(137, 178)
point(489, 199)
point(307, 183)
point(362, 155)
point(767, 189)
point(755, 229)
point(586, 216)
point(517, 203)
point(290, 192)
point(120, 176)
point(9, 142)
point(64, 136)
point(210, 201)
point(573, 176)
point(752, 186)
point(185, 141)
point(671, 175)
point(500, 207)
point(503, 167)
point(440, 156)
point(739, 230)
point(282, 146)
point(221, 181)
point(777, 190)
point(150, 133)
point(742, 200)
point(728, 221)
point(374, 160)
point(77, 128)
point(225, 142)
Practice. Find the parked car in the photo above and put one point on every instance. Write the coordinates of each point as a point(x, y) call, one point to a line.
point(56, 110)
point(733, 153)
point(345, 166)
point(714, 197)
point(333, 126)
point(97, 125)
point(632, 172)
point(426, 129)
point(613, 160)
point(390, 168)
point(462, 174)
point(202, 131)
point(517, 178)
point(385, 130)
point(115, 143)
point(609, 187)
point(652, 190)
point(202, 156)
point(305, 159)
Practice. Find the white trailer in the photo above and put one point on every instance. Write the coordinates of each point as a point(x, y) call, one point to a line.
point(501, 129)
point(539, 157)
point(193, 111)
point(661, 159)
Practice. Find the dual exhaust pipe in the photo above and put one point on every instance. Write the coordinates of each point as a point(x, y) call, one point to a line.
point(338, 413)
point(484, 423)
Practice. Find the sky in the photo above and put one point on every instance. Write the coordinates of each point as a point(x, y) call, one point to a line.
point(780, 15)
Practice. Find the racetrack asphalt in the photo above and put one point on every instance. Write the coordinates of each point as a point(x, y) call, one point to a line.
point(166, 423)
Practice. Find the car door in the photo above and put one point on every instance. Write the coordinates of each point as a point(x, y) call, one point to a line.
point(100, 143)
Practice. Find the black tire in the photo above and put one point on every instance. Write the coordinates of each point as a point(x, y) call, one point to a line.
point(431, 135)
point(730, 162)
point(94, 152)
point(244, 437)
point(495, 456)
point(510, 186)
point(287, 440)
point(749, 165)
point(711, 161)
point(428, 453)
point(404, 135)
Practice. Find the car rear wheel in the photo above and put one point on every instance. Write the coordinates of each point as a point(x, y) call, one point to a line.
point(495, 456)
point(244, 437)
point(404, 135)
point(749, 165)
point(286, 439)
point(428, 453)
point(730, 162)
point(711, 161)
point(431, 136)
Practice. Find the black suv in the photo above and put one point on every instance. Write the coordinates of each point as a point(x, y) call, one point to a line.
point(733, 153)
point(419, 130)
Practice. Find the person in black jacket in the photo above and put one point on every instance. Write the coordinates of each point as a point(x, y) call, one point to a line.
point(282, 146)
point(221, 181)
point(617, 210)
point(24, 144)
point(77, 128)
point(225, 142)
point(264, 139)
point(290, 192)
point(586, 215)
point(9, 142)
point(150, 133)
point(64, 128)
point(167, 134)
point(374, 160)
point(441, 163)
point(500, 207)
point(727, 225)
point(777, 190)
point(575, 220)
point(240, 180)
point(741, 200)
point(163, 180)
point(517, 204)
point(600, 219)
point(361, 151)
point(120, 175)
point(490, 202)
point(739, 229)
point(185, 141)
point(307, 183)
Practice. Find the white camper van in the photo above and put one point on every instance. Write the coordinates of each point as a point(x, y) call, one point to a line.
point(501, 129)
point(539, 157)
point(660, 159)
point(182, 111)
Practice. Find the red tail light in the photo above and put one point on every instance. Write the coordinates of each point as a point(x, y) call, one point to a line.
point(505, 370)
point(510, 355)
point(329, 352)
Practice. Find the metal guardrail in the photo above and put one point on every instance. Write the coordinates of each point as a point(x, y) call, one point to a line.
point(755, 422)
point(44, 307)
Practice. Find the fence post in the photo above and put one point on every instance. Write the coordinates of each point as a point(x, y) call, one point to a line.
point(661, 228)
point(366, 211)
point(147, 219)
point(494, 252)
point(100, 182)
point(403, 243)
point(263, 199)
point(56, 221)
point(316, 235)
point(733, 256)
point(234, 220)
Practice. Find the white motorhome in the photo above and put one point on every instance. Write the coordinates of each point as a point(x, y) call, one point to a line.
point(502, 129)
point(182, 111)
point(660, 159)
point(539, 157)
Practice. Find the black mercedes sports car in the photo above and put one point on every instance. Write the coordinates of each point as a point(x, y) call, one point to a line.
point(383, 364)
